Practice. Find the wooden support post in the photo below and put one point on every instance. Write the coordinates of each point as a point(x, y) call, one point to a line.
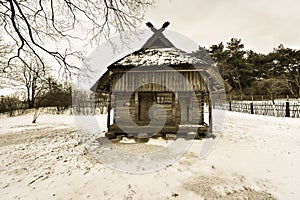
point(202, 107)
point(173, 108)
point(108, 111)
point(210, 117)
point(176, 109)
point(136, 105)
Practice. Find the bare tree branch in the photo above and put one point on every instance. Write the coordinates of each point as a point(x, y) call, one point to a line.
point(50, 28)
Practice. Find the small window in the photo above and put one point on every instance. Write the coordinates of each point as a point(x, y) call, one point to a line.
point(164, 98)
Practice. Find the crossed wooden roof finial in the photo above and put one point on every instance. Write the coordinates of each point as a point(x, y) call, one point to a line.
point(158, 40)
point(164, 26)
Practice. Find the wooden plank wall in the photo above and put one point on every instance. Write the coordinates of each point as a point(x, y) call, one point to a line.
point(170, 107)
point(196, 116)
point(166, 100)
point(132, 80)
point(129, 82)
point(121, 106)
point(199, 99)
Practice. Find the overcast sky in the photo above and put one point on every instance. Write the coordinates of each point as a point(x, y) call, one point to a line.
point(261, 24)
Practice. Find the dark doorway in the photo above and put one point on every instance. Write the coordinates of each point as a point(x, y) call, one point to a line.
point(146, 100)
point(184, 103)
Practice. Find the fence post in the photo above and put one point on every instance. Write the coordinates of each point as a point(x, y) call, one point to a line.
point(287, 107)
point(251, 108)
point(251, 105)
point(230, 100)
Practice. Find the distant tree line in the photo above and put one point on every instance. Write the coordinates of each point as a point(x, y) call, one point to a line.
point(8, 104)
point(252, 74)
point(54, 94)
point(275, 74)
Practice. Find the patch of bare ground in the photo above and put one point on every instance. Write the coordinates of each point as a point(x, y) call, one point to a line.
point(34, 135)
point(139, 148)
point(35, 155)
point(216, 188)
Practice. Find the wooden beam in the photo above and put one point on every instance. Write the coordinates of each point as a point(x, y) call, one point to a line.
point(108, 111)
point(210, 116)
point(136, 104)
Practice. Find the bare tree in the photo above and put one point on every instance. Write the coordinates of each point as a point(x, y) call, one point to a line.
point(37, 26)
point(36, 80)
point(4, 51)
point(32, 78)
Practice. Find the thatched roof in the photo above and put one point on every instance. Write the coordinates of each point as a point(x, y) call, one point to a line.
point(159, 56)
point(158, 51)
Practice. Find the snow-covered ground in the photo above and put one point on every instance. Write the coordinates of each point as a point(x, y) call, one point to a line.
point(256, 157)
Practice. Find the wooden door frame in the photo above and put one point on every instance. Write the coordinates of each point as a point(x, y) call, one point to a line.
point(154, 95)
point(139, 102)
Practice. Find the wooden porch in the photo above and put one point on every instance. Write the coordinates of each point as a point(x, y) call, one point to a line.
point(178, 130)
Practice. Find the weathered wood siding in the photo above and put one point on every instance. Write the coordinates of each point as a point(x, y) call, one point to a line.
point(192, 100)
point(170, 107)
point(166, 100)
point(167, 88)
point(155, 81)
point(121, 107)
point(199, 99)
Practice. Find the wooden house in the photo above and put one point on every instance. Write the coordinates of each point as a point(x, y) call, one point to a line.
point(146, 77)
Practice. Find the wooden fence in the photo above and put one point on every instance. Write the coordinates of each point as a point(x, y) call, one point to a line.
point(279, 109)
